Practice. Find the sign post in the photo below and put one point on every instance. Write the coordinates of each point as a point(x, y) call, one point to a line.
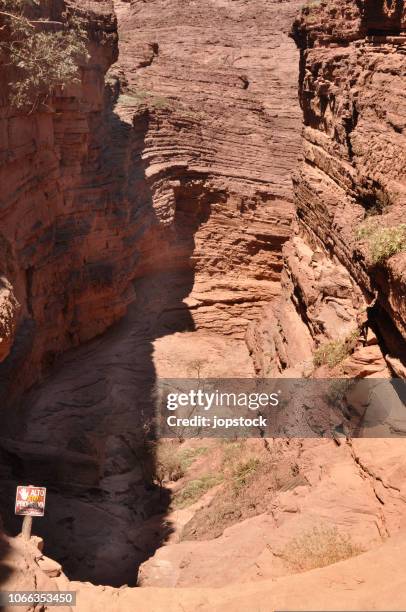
point(27, 526)
point(30, 501)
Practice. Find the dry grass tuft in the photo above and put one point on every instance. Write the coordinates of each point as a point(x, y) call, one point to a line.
point(319, 547)
point(383, 242)
point(334, 352)
point(168, 463)
point(251, 475)
point(244, 473)
point(195, 489)
point(172, 461)
point(338, 390)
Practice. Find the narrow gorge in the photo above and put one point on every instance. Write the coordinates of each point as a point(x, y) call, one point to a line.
point(182, 205)
point(220, 196)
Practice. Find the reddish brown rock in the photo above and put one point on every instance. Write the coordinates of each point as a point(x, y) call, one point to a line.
point(217, 146)
point(180, 179)
point(56, 213)
point(354, 144)
point(8, 317)
point(350, 487)
point(185, 165)
point(24, 568)
point(320, 302)
point(181, 182)
point(352, 79)
point(364, 581)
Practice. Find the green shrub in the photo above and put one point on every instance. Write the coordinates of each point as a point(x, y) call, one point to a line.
point(383, 242)
point(319, 547)
point(168, 464)
point(311, 4)
point(243, 472)
point(136, 98)
point(171, 461)
point(194, 489)
point(44, 61)
point(334, 352)
point(189, 455)
point(160, 102)
point(127, 100)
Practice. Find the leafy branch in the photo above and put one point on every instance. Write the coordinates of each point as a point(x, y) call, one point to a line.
point(40, 62)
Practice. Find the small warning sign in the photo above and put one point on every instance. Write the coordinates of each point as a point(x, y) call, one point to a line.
point(30, 501)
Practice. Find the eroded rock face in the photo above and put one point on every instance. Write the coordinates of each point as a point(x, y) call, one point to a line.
point(219, 115)
point(8, 317)
point(56, 215)
point(183, 165)
point(352, 79)
point(181, 181)
point(184, 188)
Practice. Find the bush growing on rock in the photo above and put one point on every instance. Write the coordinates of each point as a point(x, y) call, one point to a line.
point(42, 60)
point(383, 242)
point(334, 352)
point(244, 471)
point(168, 463)
point(194, 489)
point(319, 547)
point(140, 97)
point(338, 390)
point(172, 461)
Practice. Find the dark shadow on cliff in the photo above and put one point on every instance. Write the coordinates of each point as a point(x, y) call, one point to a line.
point(5, 569)
point(383, 17)
point(87, 432)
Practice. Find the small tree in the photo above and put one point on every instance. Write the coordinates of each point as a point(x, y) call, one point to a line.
point(43, 61)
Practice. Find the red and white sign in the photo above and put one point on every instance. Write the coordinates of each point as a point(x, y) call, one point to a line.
point(30, 500)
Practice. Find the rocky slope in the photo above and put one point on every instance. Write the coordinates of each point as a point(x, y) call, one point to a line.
point(363, 582)
point(355, 491)
point(359, 583)
point(352, 178)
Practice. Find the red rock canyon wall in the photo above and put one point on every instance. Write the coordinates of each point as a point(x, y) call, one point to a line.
point(59, 223)
point(183, 163)
point(352, 93)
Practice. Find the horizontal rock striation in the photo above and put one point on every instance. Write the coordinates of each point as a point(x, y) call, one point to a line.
point(183, 164)
point(57, 216)
point(352, 84)
point(177, 176)
point(215, 109)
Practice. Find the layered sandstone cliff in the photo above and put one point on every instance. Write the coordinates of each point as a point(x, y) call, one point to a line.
point(213, 120)
point(184, 165)
point(61, 283)
point(350, 185)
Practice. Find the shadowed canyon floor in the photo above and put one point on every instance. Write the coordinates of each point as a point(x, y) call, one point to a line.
point(82, 432)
